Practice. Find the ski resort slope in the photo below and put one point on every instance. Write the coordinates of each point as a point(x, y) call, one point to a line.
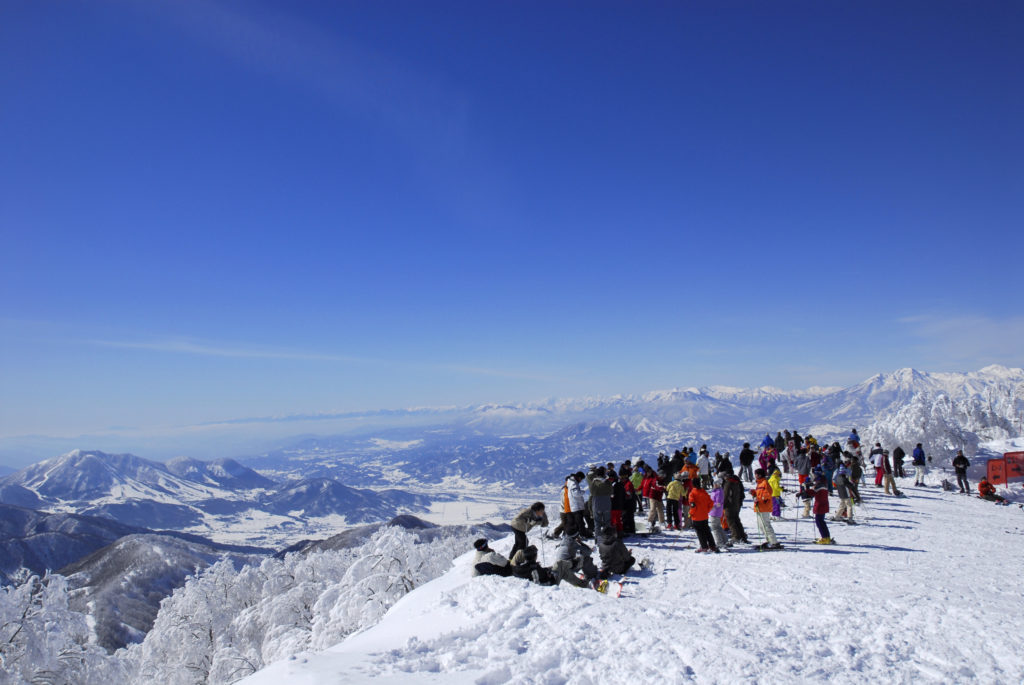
point(926, 589)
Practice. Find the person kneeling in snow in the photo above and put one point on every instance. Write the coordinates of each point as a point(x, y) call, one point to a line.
point(530, 569)
point(615, 557)
point(579, 556)
point(988, 491)
point(487, 562)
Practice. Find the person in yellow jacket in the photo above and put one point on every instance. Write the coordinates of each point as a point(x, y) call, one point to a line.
point(673, 492)
point(763, 509)
point(775, 480)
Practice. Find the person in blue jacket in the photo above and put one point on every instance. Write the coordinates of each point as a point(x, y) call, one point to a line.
point(919, 465)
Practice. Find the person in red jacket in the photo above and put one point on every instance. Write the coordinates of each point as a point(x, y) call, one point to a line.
point(988, 491)
point(820, 509)
point(700, 508)
point(654, 491)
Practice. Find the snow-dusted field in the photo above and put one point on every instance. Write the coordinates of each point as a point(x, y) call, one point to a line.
point(927, 589)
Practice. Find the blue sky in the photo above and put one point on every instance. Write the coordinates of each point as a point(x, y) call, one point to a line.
point(220, 210)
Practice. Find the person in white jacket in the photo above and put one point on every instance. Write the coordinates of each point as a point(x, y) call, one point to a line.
point(487, 562)
point(704, 468)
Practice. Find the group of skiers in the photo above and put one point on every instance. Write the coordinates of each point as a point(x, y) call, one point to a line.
point(697, 491)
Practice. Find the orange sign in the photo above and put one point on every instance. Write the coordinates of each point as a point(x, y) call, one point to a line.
point(1014, 465)
point(996, 471)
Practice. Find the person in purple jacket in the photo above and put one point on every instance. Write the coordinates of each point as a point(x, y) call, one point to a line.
point(715, 516)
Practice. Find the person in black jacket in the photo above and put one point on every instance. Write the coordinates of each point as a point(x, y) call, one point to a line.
point(732, 502)
point(897, 462)
point(960, 464)
point(615, 557)
point(618, 500)
point(746, 461)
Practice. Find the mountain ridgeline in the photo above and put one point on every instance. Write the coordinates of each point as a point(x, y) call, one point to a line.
point(531, 445)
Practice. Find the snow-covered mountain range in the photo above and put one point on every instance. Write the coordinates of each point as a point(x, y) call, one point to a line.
point(206, 498)
point(534, 444)
point(319, 486)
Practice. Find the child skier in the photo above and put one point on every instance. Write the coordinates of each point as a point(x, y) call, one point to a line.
point(820, 509)
point(775, 480)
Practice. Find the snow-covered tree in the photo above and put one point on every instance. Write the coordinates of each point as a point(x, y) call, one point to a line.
point(226, 623)
point(43, 641)
point(944, 425)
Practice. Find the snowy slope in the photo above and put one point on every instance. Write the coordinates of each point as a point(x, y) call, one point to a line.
point(923, 591)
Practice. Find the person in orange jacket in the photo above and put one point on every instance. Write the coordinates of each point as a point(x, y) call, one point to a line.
point(988, 491)
point(763, 508)
point(700, 508)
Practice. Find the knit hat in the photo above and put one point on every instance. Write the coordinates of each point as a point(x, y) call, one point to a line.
point(480, 544)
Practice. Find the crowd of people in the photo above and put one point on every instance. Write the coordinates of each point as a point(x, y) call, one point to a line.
point(697, 491)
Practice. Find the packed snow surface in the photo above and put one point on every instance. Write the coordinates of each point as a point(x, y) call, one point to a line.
point(926, 589)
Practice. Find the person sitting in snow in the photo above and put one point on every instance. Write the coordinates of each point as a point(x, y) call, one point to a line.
point(580, 557)
point(988, 491)
point(615, 557)
point(487, 562)
point(530, 569)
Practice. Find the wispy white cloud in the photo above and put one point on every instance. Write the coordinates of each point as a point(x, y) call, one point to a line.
point(430, 113)
point(208, 349)
point(417, 104)
point(966, 341)
point(184, 346)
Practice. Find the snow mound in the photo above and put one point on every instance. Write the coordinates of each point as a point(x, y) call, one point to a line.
point(914, 594)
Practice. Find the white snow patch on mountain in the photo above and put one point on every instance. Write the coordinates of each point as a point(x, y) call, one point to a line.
point(395, 445)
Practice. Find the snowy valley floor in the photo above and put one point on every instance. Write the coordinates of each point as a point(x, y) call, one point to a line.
point(927, 589)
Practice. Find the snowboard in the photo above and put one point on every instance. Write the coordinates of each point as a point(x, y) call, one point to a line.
point(606, 586)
